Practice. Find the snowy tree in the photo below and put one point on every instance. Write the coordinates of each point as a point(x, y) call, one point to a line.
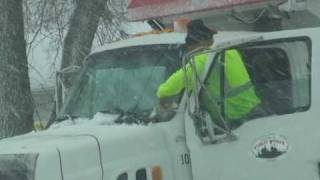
point(83, 25)
point(72, 28)
point(56, 19)
point(16, 105)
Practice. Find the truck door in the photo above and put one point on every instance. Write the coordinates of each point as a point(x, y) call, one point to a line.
point(276, 136)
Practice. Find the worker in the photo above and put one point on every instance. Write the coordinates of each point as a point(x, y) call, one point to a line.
point(198, 35)
point(240, 99)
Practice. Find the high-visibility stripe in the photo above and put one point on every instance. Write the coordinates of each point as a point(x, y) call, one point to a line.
point(237, 90)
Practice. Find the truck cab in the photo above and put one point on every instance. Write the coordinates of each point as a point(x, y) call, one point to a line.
point(109, 127)
point(278, 140)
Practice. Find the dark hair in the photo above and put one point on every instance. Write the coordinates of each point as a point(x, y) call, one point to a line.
point(197, 31)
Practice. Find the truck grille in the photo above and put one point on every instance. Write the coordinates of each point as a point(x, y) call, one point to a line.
point(17, 166)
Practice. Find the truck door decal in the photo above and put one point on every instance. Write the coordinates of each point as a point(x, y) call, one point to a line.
point(270, 147)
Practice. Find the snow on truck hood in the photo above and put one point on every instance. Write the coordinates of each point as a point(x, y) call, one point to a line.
point(168, 38)
point(89, 141)
point(102, 125)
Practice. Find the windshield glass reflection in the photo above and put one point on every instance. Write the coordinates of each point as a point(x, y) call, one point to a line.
point(123, 80)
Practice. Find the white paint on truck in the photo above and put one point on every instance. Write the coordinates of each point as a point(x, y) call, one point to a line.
point(235, 160)
point(99, 151)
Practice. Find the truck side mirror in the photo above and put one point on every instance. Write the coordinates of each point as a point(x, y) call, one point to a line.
point(63, 84)
point(60, 91)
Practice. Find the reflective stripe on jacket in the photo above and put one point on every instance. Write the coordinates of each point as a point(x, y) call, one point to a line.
point(240, 96)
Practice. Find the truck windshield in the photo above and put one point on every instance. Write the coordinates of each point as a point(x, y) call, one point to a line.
point(124, 80)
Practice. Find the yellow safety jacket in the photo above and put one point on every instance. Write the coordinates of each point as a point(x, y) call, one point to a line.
point(240, 97)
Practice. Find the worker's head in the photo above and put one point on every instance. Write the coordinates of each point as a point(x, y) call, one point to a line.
point(199, 35)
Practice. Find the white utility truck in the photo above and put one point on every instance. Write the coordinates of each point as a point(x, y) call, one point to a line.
point(109, 127)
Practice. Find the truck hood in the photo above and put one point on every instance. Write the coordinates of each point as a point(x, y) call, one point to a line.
point(45, 141)
point(101, 126)
point(56, 151)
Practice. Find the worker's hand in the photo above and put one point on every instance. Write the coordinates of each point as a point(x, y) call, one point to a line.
point(168, 103)
point(166, 109)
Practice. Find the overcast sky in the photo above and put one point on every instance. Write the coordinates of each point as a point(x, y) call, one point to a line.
point(42, 65)
point(42, 69)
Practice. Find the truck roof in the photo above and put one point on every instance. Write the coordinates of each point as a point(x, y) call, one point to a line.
point(166, 38)
point(150, 39)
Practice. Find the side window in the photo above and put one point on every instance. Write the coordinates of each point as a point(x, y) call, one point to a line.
point(257, 80)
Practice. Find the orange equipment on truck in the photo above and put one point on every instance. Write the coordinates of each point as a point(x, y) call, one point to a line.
point(234, 15)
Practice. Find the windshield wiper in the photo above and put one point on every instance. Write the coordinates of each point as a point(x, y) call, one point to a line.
point(112, 111)
point(128, 117)
point(61, 118)
point(66, 117)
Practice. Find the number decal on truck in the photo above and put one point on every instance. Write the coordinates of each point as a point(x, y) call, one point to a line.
point(185, 158)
